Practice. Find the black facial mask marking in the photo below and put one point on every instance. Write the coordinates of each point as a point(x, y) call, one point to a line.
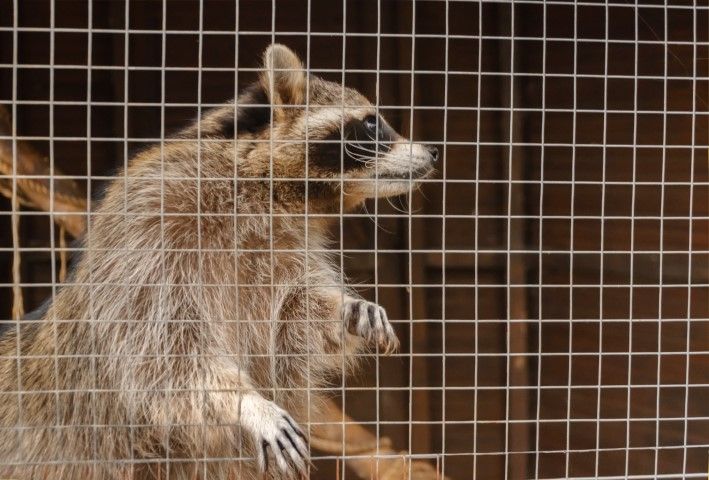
point(362, 139)
point(375, 127)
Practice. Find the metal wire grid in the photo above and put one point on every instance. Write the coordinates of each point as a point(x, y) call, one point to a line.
point(446, 452)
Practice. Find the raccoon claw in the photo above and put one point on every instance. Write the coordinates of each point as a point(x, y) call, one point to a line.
point(289, 449)
point(369, 321)
point(278, 432)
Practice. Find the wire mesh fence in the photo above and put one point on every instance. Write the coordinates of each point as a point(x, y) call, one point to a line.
point(548, 284)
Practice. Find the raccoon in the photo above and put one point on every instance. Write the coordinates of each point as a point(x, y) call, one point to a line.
point(206, 312)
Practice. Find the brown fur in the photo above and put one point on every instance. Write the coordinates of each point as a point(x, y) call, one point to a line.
point(168, 319)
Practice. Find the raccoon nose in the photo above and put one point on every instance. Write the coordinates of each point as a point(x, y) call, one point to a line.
point(433, 151)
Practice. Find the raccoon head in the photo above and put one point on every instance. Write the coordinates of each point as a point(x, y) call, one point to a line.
point(333, 136)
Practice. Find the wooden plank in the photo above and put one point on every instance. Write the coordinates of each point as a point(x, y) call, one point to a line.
point(432, 260)
point(421, 439)
point(517, 334)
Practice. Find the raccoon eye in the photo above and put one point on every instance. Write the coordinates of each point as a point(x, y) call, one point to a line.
point(370, 123)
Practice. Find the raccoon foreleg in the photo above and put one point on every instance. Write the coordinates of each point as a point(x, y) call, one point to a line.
point(227, 398)
point(369, 321)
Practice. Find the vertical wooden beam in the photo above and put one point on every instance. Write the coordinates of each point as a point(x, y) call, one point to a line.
point(518, 369)
point(390, 271)
point(115, 10)
point(416, 271)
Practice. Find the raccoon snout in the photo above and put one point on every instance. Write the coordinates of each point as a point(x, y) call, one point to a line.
point(432, 150)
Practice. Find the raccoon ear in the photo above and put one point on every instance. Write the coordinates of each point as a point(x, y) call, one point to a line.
point(283, 76)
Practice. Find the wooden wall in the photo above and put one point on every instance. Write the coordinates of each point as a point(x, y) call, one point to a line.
point(486, 334)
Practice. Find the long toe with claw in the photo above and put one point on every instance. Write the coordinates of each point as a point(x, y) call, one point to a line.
point(287, 444)
point(282, 445)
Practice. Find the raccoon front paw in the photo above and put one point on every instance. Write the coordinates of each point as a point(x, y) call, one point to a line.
point(369, 321)
point(273, 428)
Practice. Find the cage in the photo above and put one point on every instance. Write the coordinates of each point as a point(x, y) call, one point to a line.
point(549, 284)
